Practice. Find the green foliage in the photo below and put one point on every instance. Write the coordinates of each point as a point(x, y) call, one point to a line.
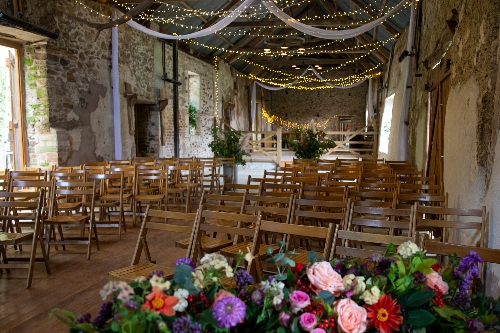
point(309, 145)
point(193, 112)
point(227, 144)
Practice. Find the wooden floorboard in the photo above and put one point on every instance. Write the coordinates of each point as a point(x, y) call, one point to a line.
point(75, 282)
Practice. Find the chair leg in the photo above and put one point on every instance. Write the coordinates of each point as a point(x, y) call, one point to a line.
point(32, 258)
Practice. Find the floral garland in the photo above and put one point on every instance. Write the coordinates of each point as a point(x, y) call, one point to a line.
point(399, 291)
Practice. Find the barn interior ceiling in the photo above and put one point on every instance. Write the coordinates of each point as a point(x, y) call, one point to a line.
point(262, 46)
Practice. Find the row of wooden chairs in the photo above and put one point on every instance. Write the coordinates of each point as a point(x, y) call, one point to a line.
point(342, 230)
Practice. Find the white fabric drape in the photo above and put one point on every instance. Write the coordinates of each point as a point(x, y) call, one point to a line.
point(328, 34)
point(371, 111)
point(265, 86)
point(307, 29)
point(204, 32)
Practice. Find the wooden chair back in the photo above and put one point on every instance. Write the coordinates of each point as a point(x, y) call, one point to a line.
point(234, 188)
point(390, 221)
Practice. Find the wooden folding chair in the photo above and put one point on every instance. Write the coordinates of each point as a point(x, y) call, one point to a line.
point(450, 224)
point(289, 231)
point(12, 204)
point(155, 220)
point(86, 191)
point(150, 189)
point(406, 200)
point(110, 203)
point(216, 203)
point(346, 242)
point(236, 189)
point(373, 198)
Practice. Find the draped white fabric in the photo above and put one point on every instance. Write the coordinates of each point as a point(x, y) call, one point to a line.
point(265, 86)
point(371, 111)
point(328, 34)
point(204, 32)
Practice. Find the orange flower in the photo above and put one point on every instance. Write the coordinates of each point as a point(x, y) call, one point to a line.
point(385, 314)
point(160, 302)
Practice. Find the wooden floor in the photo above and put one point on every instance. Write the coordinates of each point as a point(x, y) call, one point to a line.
point(74, 283)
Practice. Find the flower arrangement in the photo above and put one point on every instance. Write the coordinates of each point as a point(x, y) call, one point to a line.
point(309, 144)
point(399, 291)
point(228, 143)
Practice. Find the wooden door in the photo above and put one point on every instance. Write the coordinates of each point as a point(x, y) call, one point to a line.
point(438, 88)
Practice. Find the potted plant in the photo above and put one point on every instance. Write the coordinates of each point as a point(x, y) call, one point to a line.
point(228, 143)
point(309, 144)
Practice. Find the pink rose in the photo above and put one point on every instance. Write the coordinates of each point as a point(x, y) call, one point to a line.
point(221, 294)
point(318, 330)
point(285, 319)
point(299, 300)
point(308, 321)
point(323, 277)
point(352, 317)
point(436, 283)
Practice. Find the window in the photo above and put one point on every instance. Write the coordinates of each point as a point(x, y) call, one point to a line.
point(385, 126)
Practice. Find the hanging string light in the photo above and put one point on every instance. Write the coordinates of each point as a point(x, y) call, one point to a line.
point(216, 67)
point(273, 119)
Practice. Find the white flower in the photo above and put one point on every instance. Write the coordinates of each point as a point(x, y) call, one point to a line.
point(182, 295)
point(359, 285)
point(407, 249)
point(371, 296)
point(347, 281)
point(125, 292)
point(229, 271)
point(249, 257)
point(140, 279)
point(107, 289)
point(198, 282)
point(159, 282)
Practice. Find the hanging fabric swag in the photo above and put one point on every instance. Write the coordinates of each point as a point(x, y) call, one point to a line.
point(307, 29)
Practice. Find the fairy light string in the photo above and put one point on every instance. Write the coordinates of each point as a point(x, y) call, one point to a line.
point(276, 120)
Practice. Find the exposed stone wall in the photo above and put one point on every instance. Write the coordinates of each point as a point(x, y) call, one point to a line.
point(302, 106)
point(471, 152)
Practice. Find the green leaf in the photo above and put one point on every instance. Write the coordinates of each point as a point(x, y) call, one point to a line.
point(280, 330)
point(291, 253)
point(182, 274)
point(420, 330)
point(420, 317)
point(296, 325)
point(278, 256)
point(269, 251)
point(418, 298)
point(290, 277)
point(312, 257)
point(280, 277)
point(326, 296)
point(282, 243)
point(447, 312)
point(389, 250)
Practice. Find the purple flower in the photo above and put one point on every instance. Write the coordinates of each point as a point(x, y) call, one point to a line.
point(257, 296)
point(475, 326)
point(229, 311)
point(105, 313)
point(376, 257)
point(419, 277)
point(82, 319)
point(242, 278)
point(466, 271)
point(308, 321)
point(158, 273)
point(338, 266)
point(132, 305)
point(186, 261)
point(285, 319)
point(185, 325)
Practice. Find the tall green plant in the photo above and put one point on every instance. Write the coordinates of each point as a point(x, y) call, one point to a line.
point(226, 143)
point(309, 145)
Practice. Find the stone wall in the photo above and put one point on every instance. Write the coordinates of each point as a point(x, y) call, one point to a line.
point(302, 106)
point(471, 152)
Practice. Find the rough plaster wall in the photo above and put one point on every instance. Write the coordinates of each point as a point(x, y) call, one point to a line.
point(302, 106)
point(237, 94)
point(394, 84)
point(67, 82)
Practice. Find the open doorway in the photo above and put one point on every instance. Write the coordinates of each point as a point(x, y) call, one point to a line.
point(147, 130)
point(12, 138)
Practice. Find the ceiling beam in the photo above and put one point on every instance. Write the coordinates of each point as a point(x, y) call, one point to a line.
point(134, 2)
point(299, 61)
point(370, 12)
point(316, 23)
point(261, 50)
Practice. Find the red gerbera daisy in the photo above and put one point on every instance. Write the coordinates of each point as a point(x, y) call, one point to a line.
point(385, 314)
